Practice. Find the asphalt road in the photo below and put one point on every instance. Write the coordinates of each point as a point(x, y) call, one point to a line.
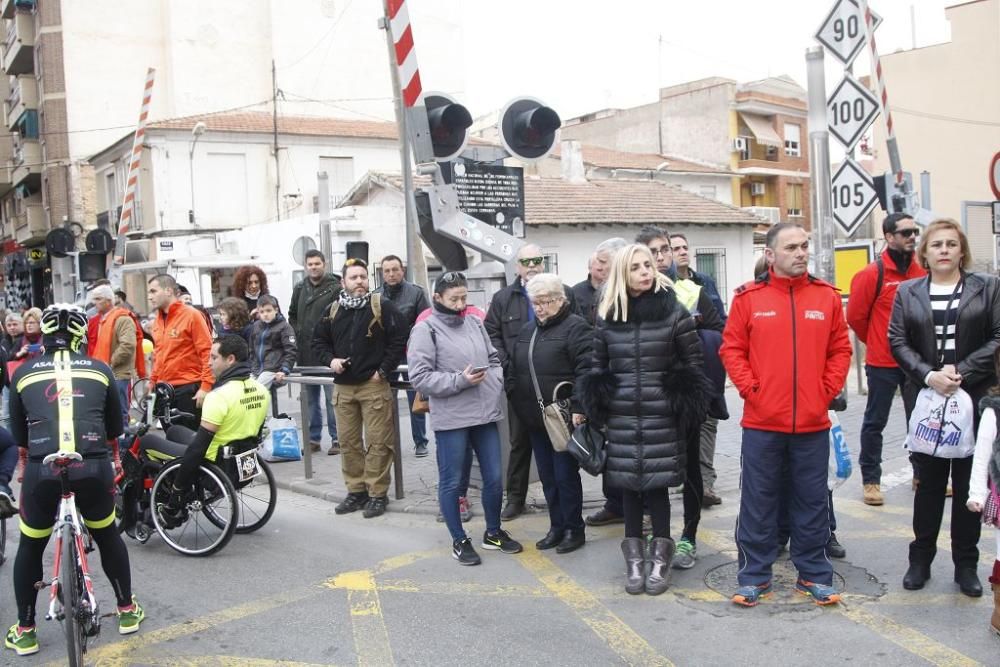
point(313, 588)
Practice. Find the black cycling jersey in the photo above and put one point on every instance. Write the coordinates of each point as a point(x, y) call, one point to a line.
point(64, 401)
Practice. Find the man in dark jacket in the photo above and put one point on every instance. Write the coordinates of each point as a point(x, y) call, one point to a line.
point(682, 265)
point(587, 291)
point(362, 340)
point(509, 311)
point(411, 300)
point(787, 351)
point(311, 300)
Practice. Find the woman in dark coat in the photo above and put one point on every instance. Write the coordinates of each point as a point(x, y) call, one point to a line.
point(249, 284)
point(944, 333)
point(647, 386)
point(561, 353)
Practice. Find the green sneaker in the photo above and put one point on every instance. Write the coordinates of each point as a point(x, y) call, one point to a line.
point(129, 619)
point(686, 554)
point(24, 642)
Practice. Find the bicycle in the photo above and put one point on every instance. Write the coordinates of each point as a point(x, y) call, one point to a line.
point(71, 600)
point(3, 540)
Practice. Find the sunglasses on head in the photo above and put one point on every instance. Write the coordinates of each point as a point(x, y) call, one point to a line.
point(452, 277)
point(531, 261)
point(908, 232)
point(354, 261)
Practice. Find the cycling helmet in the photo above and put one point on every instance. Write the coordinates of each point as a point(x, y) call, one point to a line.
point(64, 318)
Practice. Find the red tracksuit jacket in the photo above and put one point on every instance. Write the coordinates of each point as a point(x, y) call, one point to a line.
point(786, 349)
point(870, 321)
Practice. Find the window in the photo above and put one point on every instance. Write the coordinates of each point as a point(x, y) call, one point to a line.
point(551, 263)
point(792, 138)
point(793, 200)
point(340, 171)
point(712, 262)
point(708, 191)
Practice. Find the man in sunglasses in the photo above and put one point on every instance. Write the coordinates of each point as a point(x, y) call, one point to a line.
point(873, 290)
point(508, 312)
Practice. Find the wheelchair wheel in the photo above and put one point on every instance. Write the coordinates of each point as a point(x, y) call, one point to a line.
point(256, 499)
point(3, 540)
point(210, 514)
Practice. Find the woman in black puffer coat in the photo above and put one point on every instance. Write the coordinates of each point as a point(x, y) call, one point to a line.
point(561, 353)
point(647, 386)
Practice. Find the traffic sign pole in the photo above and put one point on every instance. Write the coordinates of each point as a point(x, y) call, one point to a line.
point(819, 165)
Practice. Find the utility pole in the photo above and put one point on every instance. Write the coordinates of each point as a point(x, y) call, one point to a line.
point(277, 166)
point(416, 266)
point(819, 164)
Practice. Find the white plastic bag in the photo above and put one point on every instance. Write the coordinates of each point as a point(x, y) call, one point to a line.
point(840, 454)
point(283, 441)
point(941, 425)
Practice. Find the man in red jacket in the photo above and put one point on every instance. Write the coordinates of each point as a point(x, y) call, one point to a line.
point(873, 291)
point(786, 349)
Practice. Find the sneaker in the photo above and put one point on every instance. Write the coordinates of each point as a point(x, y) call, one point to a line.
point(462, 551)
point(352, 503)
point(685, 555)
point(834, 549)
point(710, 499)
point(603, 517)
point(464, 509)
point(501, 540)
point(22, 640)
point(821, 593)
point(314, 446)
point(749, 596)
point(8, 504)
point(420, 451)
point(512, 510)
point(130, 618)
point(375, 507)
point(334, 448)
point(873, 495)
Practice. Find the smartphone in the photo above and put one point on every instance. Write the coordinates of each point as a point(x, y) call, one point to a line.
point(34, 347)
point(476, 370)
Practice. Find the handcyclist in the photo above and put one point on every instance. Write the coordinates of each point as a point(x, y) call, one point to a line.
point(233, 411)
point(66, 401)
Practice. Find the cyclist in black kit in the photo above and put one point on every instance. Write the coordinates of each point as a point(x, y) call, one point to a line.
point(66, 401)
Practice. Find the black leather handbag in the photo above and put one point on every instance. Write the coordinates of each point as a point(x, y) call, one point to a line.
point(587, 445)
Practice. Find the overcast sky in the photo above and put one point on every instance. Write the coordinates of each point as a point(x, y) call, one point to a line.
point(582, 56)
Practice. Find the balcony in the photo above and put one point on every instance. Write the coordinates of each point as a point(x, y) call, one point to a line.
point(9, 7)
point(23, 97)
point(19, 44)
point(27, 161)
point(29, 224)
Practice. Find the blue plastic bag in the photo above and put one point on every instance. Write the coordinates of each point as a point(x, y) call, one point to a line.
point(840, 454)
point(283, 442)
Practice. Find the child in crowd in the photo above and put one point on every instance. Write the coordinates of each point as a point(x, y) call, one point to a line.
point(272, 344)
point(984, 483)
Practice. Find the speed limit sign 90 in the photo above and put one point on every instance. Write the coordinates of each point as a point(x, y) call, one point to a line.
point(843, 31)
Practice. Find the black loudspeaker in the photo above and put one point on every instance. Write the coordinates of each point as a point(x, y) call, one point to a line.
point(60, 242)
point(357, 250)
point(93, 266)
point(100, 240)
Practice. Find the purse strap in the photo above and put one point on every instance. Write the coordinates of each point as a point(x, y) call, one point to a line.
point(531, 368)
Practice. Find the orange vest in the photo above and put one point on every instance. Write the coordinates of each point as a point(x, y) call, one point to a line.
point(101, 349)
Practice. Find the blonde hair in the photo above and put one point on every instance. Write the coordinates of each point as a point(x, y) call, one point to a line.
point(33, 312)
point(937, 226)
point(614, 296)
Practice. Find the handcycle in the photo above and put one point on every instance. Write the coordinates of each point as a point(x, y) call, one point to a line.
point(71, 599)
point(238, 495)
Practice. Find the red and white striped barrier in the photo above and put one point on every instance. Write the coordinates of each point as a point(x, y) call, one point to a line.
point(125, 220)
point(406, 55)
point(883, 96)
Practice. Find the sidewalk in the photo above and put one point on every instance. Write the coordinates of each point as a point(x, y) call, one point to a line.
point(420, 475)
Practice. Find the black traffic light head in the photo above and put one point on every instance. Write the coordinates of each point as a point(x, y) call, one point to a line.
point(528, 128)
point(449, 123)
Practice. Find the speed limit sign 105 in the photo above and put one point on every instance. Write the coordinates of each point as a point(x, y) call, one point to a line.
point(853, 196)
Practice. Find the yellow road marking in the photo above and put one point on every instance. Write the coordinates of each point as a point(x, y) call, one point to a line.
point(371, 639)
point(908, 639)
point(218, 661)
point(622, 639)
point(396, 562)
point(459, 588)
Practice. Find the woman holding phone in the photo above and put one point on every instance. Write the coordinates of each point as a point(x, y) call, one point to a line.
point(453, 364)
point(30, 345)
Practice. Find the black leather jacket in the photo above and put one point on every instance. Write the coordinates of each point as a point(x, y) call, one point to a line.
point(914, 344)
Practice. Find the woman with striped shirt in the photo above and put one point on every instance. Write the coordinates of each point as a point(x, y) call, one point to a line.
point(944, 331)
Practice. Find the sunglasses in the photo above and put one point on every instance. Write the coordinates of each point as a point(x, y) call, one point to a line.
point(452, 277)
point(354, 261)
point(908, 232)
point(531, 261)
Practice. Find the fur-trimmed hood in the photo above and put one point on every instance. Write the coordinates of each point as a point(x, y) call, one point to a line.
point(651, 306)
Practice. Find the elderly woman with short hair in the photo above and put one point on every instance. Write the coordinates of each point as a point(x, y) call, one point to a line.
point(558, 345)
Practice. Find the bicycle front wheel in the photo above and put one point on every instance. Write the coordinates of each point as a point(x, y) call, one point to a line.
point(3, 541)
point(71, 587)
point(210, 514)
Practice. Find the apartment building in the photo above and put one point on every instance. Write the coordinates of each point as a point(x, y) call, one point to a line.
point(755, 130)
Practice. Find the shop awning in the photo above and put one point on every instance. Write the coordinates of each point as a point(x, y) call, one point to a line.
point(762, 130)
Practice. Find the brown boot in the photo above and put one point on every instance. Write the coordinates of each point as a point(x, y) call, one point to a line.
point(661, 553)
point(995, 619)
point(873, 495)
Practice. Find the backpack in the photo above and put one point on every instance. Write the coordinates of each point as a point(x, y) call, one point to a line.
point(376, 303)
point(878, 285)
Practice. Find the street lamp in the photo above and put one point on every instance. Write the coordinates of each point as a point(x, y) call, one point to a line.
point(196, 132)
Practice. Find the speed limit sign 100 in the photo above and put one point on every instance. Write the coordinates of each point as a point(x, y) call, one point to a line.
point(850, 111)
